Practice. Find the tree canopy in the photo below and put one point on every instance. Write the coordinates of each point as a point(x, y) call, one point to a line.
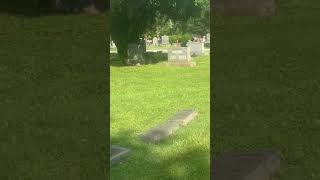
point(131, 19)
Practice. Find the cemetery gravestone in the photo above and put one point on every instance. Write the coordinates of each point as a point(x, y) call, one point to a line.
point(180, 56)
point(112, 45)
point(155, 41)
point(162, 131)
point(196, 48)
point(165, 40)
point(244, 7)
point(117, 154)
point(136, 53)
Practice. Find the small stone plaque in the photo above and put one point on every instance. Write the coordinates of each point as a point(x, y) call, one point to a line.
point(117, 154)
point(160, 132)
point(262, 165)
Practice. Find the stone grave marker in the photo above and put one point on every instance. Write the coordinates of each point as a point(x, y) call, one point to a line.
point(162, 131)
point(244, 7)
point(180, 56)
point(136, 53)
point(263, 165)
point(112, 45)
point(117, 154)
point(196, 48)
point(155, 41)
point(165, 40)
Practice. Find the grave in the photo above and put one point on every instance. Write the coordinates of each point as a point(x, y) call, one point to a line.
point(196, 48)
point(155, 41)
point(180, 56)
point(117, 154)
point(244, 7)
point(136, 53)
point(165, 40)
point(263, 165)
point(162, 131)
point(112, 45)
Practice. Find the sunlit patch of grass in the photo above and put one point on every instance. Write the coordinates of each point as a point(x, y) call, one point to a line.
point(143, 97)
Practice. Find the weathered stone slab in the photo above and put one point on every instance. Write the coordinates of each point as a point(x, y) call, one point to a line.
point(196, 48)
point(244, 7)
point(180, 56)
point(162, 131)
point(117, 154)
point(136, 53)
point(165, 40)
point(247, 166)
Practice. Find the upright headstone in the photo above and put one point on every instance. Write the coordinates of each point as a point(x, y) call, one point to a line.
point(244, 7)
point(196, 48)
point(180, 56)
point(208, 38)
point(112, 45)
point(155, 41)
point(136, 53)
point(165, 40)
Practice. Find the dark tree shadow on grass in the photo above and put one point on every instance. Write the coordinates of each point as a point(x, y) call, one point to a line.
point(150, 58)
point(190, 163)
point(39, 8)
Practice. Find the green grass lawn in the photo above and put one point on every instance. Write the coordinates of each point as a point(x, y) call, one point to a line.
point(143, 97)
point(266, 85)
point(53, 97)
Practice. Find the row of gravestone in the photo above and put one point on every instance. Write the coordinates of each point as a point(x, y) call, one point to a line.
point(180, 56)
point(164, 41)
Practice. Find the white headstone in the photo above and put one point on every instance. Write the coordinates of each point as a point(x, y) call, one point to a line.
point(165, 40)
point(208, 38)
point(180, 56)
point(155, 41)
point(196, 48)
point(112, 45)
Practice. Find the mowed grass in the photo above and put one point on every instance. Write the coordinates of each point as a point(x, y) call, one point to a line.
point(266, 86)
point(143, 97)
point(53, 97)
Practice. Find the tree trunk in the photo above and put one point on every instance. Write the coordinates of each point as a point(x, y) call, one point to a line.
point(122, 49)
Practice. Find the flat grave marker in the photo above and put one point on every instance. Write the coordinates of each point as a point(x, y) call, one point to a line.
point(158, 133)
point(117, 154)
